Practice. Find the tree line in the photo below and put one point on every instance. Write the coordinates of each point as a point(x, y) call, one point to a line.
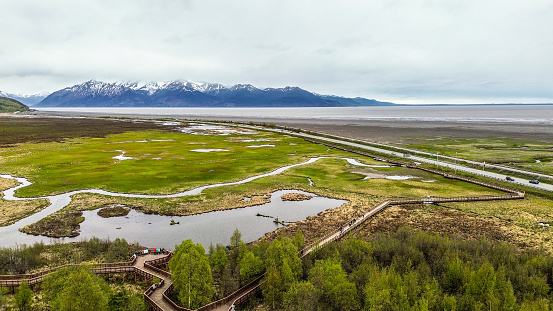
point(407, 270)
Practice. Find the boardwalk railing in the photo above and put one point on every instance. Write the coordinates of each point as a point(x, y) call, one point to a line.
point(243, 293)
point(35, 278)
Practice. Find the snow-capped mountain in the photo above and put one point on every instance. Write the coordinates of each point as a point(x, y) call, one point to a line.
point(183, 93)
point(27, 99)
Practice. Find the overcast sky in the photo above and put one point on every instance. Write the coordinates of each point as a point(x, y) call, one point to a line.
point(405, 51)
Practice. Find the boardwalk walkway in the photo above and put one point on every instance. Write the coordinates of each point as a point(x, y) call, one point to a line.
point(156, 296)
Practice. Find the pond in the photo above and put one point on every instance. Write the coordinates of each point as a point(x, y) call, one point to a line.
point(213, 227)
point(156, 230)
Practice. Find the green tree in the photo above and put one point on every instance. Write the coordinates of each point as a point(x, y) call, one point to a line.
point(453, 277)
point(301, 296)
point(449, 303)
point(286, 268)
point(218, 258)
point(283, 254)
point(298, 239)
point(272, 287)
point(535, 305)
point(119, 250)
point(505, 292)
point(75, 288)
point(481, 286)
point(24, 297)
point(192, 275)
point(235, 239)
point(331, 280)
point(127, 301)
point(250, 267)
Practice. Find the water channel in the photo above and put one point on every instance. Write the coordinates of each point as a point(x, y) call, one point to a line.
point(156, 231)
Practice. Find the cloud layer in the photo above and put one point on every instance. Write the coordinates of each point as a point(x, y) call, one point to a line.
point(404, 50)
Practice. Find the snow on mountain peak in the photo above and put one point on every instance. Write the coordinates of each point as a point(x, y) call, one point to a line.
point(99, 88)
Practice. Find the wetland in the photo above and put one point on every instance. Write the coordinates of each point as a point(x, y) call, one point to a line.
point(155, 160)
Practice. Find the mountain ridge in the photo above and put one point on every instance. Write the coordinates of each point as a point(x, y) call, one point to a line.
point(26, 99)
point(183, 93)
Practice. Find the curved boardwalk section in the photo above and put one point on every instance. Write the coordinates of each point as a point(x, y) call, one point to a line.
point(157, 295)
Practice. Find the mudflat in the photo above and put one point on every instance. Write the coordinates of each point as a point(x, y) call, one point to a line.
point(397, 131)
point(377, 130)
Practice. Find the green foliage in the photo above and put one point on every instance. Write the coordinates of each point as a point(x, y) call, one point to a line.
point(75, 288)
point(284, 268)
point(420, 271)
point(119, 250)
point(24, 297)
point(251, 266)
point(481, 286)
point(338, 293)
point(191, 275)
point(301, 296)
point(298, 239)
point(3, 298)
point(273, 287)
point(21, 259)
point(126, 301)
point(235, 239)
point(219, 259)
point(11, 105)
point(283, 254)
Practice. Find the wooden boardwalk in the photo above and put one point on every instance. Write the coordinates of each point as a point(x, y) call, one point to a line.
point(156, 295)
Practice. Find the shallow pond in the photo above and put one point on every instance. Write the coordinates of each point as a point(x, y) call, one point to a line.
point(213, 227)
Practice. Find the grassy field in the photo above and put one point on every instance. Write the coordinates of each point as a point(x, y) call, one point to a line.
point(159, 162)
point(534, 156)
point(331, 177)
point(158, 159)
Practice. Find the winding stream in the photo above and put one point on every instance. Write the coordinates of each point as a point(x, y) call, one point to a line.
point(154, 230)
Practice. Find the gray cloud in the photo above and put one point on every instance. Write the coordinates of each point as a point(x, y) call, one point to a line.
point(406, 50)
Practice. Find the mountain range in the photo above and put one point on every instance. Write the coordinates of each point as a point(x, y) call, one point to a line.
point(192, 94)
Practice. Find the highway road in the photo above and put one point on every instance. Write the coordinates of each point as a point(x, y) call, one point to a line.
point(415, 158)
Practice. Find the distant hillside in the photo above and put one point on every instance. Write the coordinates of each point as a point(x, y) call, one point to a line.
point(11, 105)
point(26, 99)
point(191, 94)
